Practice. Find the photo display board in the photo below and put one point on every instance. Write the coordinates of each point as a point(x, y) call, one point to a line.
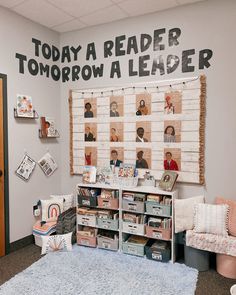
point(154, 126)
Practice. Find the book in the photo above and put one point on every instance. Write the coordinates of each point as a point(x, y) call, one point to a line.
point(47, 164)
point(137, 240)
point(48, 127)
point(168, 180)
point(89, 174)
point(24, 106)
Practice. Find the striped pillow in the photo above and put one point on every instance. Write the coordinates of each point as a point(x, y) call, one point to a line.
point(211, 219)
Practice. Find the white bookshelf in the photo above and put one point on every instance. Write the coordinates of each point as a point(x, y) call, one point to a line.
point(139, 189)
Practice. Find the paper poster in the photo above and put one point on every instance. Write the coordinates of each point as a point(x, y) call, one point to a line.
point(26, 168)
point(47, 164)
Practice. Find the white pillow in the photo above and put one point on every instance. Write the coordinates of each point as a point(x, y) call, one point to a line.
point(51, 209)
point(68, 200)
point(211, 219)
point(184, 212)
point(56, 243)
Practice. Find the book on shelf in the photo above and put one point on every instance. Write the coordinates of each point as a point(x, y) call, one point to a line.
point(89, 174)
point(48, 127)
point(132, 196)
point(109, 194)
point(159, 245)
point(134, 218)
point(24, 106)
point(154, 198)
point(137, 240)
point(87, 231)
point(154, 222)
point(108, 235)
point(168, 180)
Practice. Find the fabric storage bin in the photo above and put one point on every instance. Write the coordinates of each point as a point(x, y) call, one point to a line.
point(133, 249)
point(108, 223)
point(133, 228)
point(134, 206)
point(87, 241)
point(158, 233)
point(226, 265)
point(155, 208)
point(87, 201)
point(89, 220)
point(108, 203)
point(105, 243)
point(158, 254)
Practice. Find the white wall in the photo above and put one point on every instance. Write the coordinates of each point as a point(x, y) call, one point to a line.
point(204, 25)
point(208, 24)
point(16, 34)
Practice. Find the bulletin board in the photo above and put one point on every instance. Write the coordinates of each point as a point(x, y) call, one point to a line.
point(155, 126)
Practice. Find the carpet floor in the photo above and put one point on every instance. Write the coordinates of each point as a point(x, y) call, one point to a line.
point(209, 282)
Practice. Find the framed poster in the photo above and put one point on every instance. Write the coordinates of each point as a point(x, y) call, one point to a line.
point(156, 126)
point(26, 168)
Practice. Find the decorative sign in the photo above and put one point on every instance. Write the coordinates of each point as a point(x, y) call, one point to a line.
point(155, 128)
point(148, 51)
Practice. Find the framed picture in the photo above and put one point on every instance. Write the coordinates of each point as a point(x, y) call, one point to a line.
point(168, 180)
point(26, 168)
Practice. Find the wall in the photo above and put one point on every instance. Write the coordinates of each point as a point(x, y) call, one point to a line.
point(204, 25)
point(16, 33)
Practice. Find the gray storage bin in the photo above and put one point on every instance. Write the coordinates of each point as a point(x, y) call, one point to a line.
point(155, 208)
point(108, 223)
point(105, 243)
point(134, 206)
point(196, 258)
point(133, 249)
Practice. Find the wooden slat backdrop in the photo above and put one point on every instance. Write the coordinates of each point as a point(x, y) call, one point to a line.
point(192, 117)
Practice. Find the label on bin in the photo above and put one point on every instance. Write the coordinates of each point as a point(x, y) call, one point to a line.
point(85, 242)
point(157, 210)
point(132, 249)
point(157, 235)
point(156, 256)
point(86, 202)
point(106, 245)
point(106, 204)
point(132, 206)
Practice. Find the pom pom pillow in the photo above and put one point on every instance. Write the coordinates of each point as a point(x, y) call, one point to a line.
point(68, 200)
point(51, 209)
point(211, 219)
point(56, 243)
point(184, 212)
point(232, 213)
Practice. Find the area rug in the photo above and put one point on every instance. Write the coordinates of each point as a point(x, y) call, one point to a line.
point(94, 271)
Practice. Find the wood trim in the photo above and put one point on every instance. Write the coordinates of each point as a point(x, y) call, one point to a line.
point(2, 184)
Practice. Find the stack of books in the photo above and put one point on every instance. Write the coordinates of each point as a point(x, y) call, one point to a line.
point(109, 194)
point(154, 198)
point(163, 223)
point(107, 214)
point(132, 196)
point(88, 232)
point(137, 240)
point(89, 192)
point(86, 211)
point(134, 218)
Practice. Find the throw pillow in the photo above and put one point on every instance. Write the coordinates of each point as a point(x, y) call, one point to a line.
point(51, 209)
point(68, 200)
point(56, 243)
point(232, 213)
point(184, 212)
point(211, 219)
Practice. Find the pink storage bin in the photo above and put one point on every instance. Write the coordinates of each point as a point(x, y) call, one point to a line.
point(158, 233)
point(87, 241)
point(108, 203)
point(226, 265)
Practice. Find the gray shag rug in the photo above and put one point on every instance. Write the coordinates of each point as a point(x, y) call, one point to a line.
point(93, 271)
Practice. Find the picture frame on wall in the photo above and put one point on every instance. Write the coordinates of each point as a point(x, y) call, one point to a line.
point(47, 164)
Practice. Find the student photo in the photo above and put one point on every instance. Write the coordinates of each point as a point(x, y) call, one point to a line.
point(169, 163)
point(140, 135)
point(143, 104)
point(116, 131)
point(114, 159)
point(90, 156)
point(169, 107)
point(88, 110)
point(114, 109)
point(141, 162)
point(88, 135)
point(173, 102)
point(114, 136)
point(169, 134)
